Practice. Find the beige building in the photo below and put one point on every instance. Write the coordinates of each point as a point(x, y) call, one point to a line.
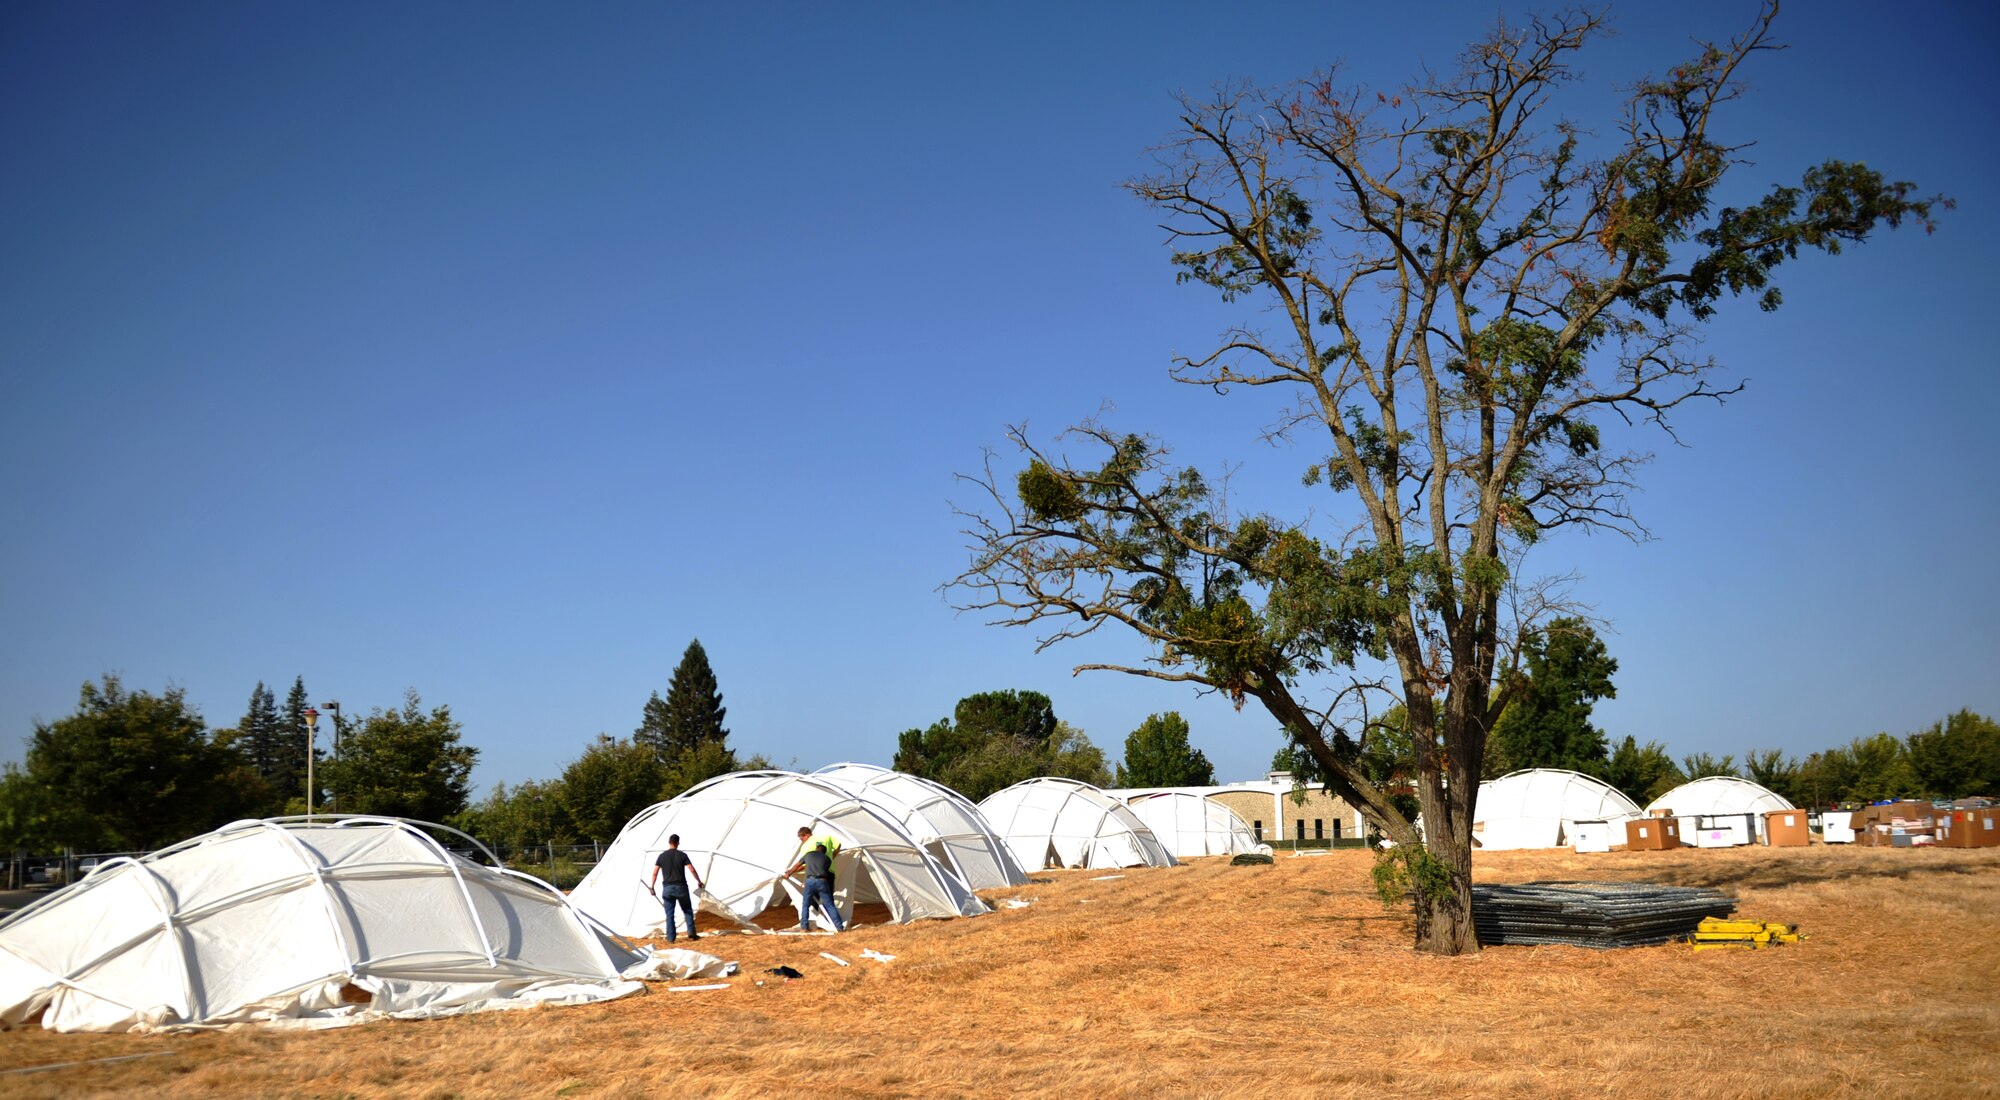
point(1279, 813)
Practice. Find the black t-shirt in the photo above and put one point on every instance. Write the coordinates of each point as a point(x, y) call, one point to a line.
point(673, 864)
point(818, 865)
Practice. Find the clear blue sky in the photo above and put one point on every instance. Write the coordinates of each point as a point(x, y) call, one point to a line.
point(498, 350)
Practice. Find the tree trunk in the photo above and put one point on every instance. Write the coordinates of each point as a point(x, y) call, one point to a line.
point(1442, 892)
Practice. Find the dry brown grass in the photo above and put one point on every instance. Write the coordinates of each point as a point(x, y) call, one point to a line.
point(1216, 980)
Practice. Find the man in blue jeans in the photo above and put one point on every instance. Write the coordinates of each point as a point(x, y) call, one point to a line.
point(677, 866)
point(818, 866)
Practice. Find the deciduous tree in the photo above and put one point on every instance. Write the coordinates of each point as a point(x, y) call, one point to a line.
point(133, 770)
point(1456, 290)
point(1567, 670)
point(409, 762)
point(1158, 754)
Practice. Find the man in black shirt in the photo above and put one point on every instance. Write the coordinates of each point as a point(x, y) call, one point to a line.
point(818, 866)
point(674, 890)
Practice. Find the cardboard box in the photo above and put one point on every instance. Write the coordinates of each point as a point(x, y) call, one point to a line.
point(1655, 834)
point(1786, 829)
point(1958, 829)
point(1986, 833)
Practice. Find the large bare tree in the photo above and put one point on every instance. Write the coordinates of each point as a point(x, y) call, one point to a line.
point(1455, 285)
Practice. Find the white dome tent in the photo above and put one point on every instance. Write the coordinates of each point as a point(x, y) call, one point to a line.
point(741, 831)
point(1736, 805)
point(1050, 822)
point(1190, 825)
point(1540, 808)
point(948, 825)
point(270, 920)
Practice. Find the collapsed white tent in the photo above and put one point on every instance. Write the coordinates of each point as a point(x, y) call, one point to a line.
point(741, 831)
point(1191, 825)
point(1540, 808)
point(1734, 806)
point(270, 920)
point(1050, 822)
point(945, 822)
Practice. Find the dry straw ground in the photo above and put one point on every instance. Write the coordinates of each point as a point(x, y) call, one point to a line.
point(1208, 979)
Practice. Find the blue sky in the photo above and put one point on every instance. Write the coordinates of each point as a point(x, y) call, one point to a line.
point(499, 350)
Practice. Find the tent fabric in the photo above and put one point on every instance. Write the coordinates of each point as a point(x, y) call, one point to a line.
point(948, 825)
point(1539, 808)
point(741, 831)
point(1719, 794)
point(1051, 822)
point(1726, 796)
point(265, 920)
point(1191, 825)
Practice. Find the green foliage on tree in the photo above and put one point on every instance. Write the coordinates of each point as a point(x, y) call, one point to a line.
point(1453, 289)
point(288, 781)
point(1698, 765)
point(1772, 770)
point(1158, 754)
point(1642, 773)
point(1957, 757)
point(402, 763)
point(994, 740)
point(131, 771)
point(1881, 769)
point(613, 780)
point(692, 713)
point(1567, 669)
point(511, 819)
point(259, 736)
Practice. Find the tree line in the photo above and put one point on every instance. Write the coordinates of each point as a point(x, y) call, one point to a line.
point(1566, 668)
point(131, 770)
point(995, 739)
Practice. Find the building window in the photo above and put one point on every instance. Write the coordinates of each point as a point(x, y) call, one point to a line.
point(1302, 828)
point(1258, 828)
point(1336, 828)
point(1319, 829)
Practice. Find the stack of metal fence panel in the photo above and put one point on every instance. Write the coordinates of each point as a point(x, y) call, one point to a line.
point(1593, 914)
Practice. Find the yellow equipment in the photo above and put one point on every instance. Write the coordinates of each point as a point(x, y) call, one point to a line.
point(1715, 932)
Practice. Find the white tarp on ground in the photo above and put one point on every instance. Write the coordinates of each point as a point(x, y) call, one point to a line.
point(741, 831)
point(1722, 797)
point(942, 820)
point(283, 919)
point(1051, 822)
point(1191, 825)
point(1539, 808)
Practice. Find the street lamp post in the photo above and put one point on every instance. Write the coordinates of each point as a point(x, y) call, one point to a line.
point(312, 750)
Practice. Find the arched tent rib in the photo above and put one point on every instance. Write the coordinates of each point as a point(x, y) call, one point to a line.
point(943, 820)
point(1190, 824)
point(1539, 808)
point(1053, 820)
point(229, 906)
point(741, 831)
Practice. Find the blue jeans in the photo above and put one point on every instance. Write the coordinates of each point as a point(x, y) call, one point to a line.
point(820, 890)
point(669, 895)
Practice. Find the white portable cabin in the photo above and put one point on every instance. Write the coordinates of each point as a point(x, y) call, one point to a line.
point(1547, 808)
point(1189, 824)
point(945, 822)
point(1051, 822)
point(271, 920)
point(1720, 811)
point(741, 831)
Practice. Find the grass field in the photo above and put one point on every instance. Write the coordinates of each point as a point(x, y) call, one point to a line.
point(1207, 979)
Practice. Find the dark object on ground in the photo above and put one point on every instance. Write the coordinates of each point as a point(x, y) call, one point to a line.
point(1248, 858)
point(1593, 914)
point(784, 972)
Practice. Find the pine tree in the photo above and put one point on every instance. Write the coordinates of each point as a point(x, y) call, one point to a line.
point(261, 735)
point(691, 715)
point(288, 780)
